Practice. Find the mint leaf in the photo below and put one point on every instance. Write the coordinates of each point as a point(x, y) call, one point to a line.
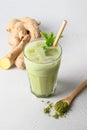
point(50, 38)
point(51, 34)
point(45, 35)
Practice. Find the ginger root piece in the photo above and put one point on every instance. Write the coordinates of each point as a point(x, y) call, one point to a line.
point(11, 24)
point(13, 41)
point(7, 61)
point(29, 20)
point(19, 62)
point(18, 29)
point(33, 26)
point(17, 33)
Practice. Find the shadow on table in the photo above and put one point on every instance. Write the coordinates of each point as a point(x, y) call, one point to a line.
point(65, 87)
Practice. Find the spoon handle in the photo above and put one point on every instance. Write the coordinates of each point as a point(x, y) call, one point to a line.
point(77, 91)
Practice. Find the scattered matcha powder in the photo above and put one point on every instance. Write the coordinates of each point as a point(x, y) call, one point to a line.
point(56, 116)
point(47, 110)
point(57, 110)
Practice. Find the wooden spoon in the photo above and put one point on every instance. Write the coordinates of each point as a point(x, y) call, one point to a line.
point(70, 98)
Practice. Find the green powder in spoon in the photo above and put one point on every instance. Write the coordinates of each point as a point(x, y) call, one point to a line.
point(61, 108)
point(57, 110)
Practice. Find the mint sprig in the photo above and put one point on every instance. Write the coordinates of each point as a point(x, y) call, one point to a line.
point(50, 38)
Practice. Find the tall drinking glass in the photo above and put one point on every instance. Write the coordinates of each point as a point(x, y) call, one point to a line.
point(42, 65)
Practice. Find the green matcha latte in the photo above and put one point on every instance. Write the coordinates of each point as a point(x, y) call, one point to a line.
point(42, 65)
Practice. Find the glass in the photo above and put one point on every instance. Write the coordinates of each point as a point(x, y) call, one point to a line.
point(42, 76)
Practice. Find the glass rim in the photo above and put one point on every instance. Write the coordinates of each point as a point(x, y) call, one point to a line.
point(37, 62)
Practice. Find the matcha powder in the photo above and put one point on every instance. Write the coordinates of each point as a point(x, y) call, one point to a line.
point(57, 110)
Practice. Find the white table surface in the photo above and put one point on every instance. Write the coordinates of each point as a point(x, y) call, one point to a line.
point(21, 110)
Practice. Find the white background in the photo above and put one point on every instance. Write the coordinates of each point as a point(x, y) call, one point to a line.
point(21, 110)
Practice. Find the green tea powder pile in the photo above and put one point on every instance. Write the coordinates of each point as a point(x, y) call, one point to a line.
point(58, 110)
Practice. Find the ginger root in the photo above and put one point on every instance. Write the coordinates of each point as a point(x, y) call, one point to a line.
point(20, 27)
point(33, 26)
point(21, 32)
point(19, 62)
point(7, 61)
point(17, 33)
point(11, 24)
point(14, 41)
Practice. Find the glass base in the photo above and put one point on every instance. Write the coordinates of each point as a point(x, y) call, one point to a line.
point(43, 96)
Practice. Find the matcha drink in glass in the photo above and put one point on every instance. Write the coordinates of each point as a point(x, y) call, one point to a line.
point(42, 59)
point(42, 65)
